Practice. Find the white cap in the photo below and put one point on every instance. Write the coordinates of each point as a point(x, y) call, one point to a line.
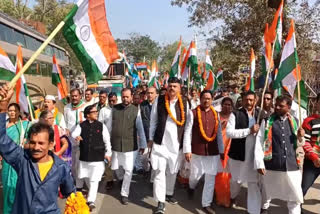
point(50, 97)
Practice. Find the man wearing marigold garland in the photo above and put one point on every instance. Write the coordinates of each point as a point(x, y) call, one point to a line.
point(168, 119)
point(275, 155)
point(202, 145)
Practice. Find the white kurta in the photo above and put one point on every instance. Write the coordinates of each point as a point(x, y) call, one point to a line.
point(127, 159)
point(242, 171)
point(105, 117)
point(281, 185)
point(70, 116)
point(206, 164)
point(94, 170)
point(170, 146)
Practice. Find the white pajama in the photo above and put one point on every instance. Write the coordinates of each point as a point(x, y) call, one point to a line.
point(165, 158)
point(244, 171)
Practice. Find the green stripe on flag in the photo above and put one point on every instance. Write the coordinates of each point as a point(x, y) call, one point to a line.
point(6, 75)
point(93, 74)
point(174, 69)
point(286, 68)
point(55, 79)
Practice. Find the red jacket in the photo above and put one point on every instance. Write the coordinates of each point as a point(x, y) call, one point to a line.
point(311, 125)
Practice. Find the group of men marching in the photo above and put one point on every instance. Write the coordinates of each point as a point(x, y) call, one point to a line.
point(167, 130)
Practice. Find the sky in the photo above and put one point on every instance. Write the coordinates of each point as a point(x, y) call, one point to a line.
point(157, 18)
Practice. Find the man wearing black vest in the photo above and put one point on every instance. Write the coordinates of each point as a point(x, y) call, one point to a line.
point(203, 147)
point(126, 127)
point(94, 148)
point(275, 155)
point(168, 119)
point(241, 128)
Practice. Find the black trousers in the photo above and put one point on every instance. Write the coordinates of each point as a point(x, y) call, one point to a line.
point(310, 174)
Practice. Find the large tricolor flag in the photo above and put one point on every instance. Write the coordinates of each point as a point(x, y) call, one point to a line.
point(250, 81)
point(175, 66)
point(190, 62)
point(275, 31)
point(22, 93)
point(266, 60)
point(7, 69)
point(58, 80)
point(289, 70)
point(87, 31)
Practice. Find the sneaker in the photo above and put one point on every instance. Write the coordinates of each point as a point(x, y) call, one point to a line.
point(124, 200)
point(209, 210)
point(109, 185)
point(91, 205)
point(170, 199)
point(190, 193)
point(264, 211)
point(161, 208)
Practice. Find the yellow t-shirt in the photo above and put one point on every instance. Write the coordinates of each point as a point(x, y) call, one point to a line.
point(44, 168)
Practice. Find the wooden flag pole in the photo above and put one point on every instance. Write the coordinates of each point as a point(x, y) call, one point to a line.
point(265, 85)
point(35, 55)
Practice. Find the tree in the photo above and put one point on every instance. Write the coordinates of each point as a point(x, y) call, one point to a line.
point(243, 24)
point(139, 47)
point(167, 54)
point(16, 8)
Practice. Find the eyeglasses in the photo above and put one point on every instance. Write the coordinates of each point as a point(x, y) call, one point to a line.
point(93, 112)
point(267, 98)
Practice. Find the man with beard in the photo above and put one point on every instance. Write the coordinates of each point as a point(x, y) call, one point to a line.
point(203, 147)
point(50, 105)
point(168, 119)
point(126, 126)
point(103, 95)
point(73, 113)
point(275, 155)
point(241, 128)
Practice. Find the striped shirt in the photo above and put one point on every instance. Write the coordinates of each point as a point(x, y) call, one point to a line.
point(311, 125)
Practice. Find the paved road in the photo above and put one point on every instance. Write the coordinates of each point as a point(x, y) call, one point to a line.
point(141, 201)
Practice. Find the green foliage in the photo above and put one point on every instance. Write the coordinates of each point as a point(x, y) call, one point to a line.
point(139, 48)
point(242, 25)
point(16, 8)
point(167, 54)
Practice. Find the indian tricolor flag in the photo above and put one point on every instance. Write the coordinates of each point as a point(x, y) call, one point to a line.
point(220, 75)
point(212, 82)
point(7, 70)
point(153, 75)
point(250, 80)
point(175, 66)
point(58, 80)
point(275, 31)
point(87, 31)
point(289, 70)
point(22, 93)
point(190, 61)
point(266, 60)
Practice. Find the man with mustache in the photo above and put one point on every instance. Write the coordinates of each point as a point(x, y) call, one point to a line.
point(275, 155)
point(168, 119)
point(41, 173)
point(50, 105)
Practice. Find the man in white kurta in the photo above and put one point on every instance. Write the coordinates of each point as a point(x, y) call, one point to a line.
point(73, 114)
point(166, 155)
point(281, 175)
point(93, 135)
point(126, 126)
point(241, 128)
point(203, 150)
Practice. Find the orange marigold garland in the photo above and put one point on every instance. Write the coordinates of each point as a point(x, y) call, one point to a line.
point(201, 125)
point(76, 204)
point(183, 118)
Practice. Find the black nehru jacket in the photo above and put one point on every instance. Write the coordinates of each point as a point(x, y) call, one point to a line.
point(145, 110)
point(92, 147)
point(162, 119)
point(283, 151)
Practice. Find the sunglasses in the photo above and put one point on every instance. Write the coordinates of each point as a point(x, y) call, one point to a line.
point(93, 112)
point(267, 98)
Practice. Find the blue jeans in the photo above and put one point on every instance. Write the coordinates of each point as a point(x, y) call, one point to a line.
point(310, 174)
